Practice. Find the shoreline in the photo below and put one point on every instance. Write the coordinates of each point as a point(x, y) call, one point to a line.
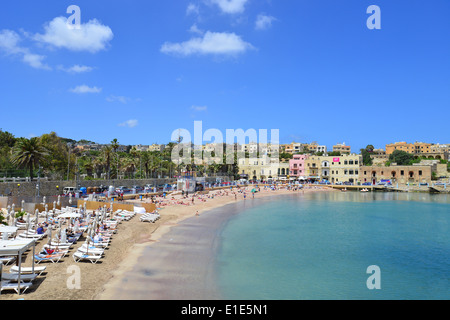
point(156, 266)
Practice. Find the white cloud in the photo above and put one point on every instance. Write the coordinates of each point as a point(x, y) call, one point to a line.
point(9, 44)
point(192, 9)
point(195, 29)
point(231, 6)
point(263, 22)
point(76, 69)
point(129, 123)
point(85, 89)
point(215, 43)
point(121, 99)
point(199, 108)
point(91, 36)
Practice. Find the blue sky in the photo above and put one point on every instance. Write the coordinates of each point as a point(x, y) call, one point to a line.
point(311, 69)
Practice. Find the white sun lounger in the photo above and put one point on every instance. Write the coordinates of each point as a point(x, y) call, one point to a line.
point(79, 256)
point(14, 286)
point(14, 277)
point(91, 251)
point(7, 260)
point(24, 270)
point(41, 258)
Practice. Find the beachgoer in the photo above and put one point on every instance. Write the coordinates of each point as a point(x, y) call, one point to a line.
point(40, 230)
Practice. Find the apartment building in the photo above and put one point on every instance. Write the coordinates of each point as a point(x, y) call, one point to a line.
point(297, 167)
point(263, 168)
point(342, 148)
point(413, 148)
point(334, 169)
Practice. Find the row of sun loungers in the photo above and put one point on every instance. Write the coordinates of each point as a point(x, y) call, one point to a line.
point(150, 217)
point(54, 251)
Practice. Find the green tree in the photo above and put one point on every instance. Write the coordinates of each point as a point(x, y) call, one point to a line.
point(402, 158)
point(27, 153)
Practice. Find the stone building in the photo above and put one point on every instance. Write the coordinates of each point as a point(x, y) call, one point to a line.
point(397, 174)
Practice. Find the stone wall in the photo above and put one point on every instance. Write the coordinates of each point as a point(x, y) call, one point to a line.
point(49, 188)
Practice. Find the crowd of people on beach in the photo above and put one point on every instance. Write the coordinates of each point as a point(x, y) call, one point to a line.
point(238, 192)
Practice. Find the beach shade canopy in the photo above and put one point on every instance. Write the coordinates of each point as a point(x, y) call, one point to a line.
point(69, 215)
point(17, 248)
point(253, 190)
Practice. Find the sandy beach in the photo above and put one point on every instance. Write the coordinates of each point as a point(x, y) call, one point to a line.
point(139, 250)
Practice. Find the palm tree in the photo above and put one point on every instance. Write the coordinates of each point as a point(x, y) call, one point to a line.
point(115, 146)
point(107, 158)
point(28, 153)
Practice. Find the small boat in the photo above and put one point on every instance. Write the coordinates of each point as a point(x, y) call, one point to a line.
point(365, 190)
point(344, 190)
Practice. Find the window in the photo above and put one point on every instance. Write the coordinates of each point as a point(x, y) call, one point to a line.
point(345, 172)
point(365, 172)
point(402, 173)
point(356, 172)
point(350, 162)
point(420, 172)
point(345, 162)
point(351, 172)
point(356, 161)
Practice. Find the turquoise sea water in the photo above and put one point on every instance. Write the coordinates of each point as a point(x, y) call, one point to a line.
point(319, 246)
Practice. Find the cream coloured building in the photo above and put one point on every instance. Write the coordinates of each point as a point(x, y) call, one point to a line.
point(334, 169)
point(263, 168)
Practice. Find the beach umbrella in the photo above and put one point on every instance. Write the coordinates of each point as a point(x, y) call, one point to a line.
point(23, 203)
point(12, 215)
point(44, 199)
point(76, 227)
point(28, 222)
point(88, 241)
point(49, 235)
point(13, 207)
point(64, 236)
point(59, 200)
point(54, 206)
point(70, 198)
point(36, 213)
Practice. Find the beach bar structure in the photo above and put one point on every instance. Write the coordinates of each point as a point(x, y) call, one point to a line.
point(17, 248)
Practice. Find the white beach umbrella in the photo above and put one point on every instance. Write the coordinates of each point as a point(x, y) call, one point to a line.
point(70, 198)
point(49, 234)
point(23, 204)
point(59, 200)
point(13, 207)
point(37, 218)
point(76, 227)
point(44, 199)
point(28, 222)
point(64, 236)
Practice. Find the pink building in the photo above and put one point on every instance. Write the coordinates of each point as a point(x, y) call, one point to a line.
point(297, 166)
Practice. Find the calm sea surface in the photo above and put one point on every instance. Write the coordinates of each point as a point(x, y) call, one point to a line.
point(319, 246)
